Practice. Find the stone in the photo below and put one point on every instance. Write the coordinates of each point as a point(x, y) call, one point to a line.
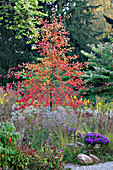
point(84, 159)
point(76, 144)
point(72, 145)
point(97, 146)
point(95, 158)
point(80, 144)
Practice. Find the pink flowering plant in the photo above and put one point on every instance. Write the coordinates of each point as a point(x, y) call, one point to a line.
point(50, 157)
point(25, 157)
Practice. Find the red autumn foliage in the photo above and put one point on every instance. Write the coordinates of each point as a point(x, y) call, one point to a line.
point(44, 84)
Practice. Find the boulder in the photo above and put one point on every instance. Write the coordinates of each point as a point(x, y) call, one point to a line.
point(84, 159)
point(95, 158)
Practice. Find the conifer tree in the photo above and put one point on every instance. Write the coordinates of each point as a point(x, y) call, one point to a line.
point(78, 18)
point(100, 70)
point(79, 26)
point(12, 52)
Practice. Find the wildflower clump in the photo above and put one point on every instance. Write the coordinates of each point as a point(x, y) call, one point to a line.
point(95, 138)
point(73, 133)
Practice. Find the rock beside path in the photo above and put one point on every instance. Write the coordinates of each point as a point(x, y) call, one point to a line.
point(84, 159)
point(95, 158)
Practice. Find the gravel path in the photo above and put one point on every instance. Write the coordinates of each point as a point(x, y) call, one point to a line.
point(100, 166)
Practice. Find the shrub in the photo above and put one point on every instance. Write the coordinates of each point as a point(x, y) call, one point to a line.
point(19, 156)
point(47, 157)
point(8, 137)
point(50, 157)
point(24, 157)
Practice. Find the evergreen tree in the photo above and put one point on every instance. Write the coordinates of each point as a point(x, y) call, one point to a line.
point(12, 52)
point(78, 18)
point(79, 26)
point(100, 70)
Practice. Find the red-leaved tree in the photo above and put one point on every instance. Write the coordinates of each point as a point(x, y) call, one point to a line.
point(55, 79)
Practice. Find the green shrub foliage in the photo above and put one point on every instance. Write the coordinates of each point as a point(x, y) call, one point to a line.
point(8, 137)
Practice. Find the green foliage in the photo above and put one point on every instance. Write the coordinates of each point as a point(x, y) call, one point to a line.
point(13, 155)
point(12, 53)
point(106, 157)
point(99, 73)
point(78, 18)
point(40, 135)
point(69, 154)
point(50, 157)
point(56, 125)
point(8, 137)
point(103, 104)
point(78, 23)
point(25, 157)
point(8, 97)
point(21, 16)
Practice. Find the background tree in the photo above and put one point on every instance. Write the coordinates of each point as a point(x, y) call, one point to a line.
point(17, 21)
point(79, 26)
point(109, 20)
point(100, 70)
point(101, 24)
point(21, 16)
point(12, 52)
point(78, 18)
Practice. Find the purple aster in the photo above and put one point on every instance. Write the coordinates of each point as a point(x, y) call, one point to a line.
point(95, 138)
